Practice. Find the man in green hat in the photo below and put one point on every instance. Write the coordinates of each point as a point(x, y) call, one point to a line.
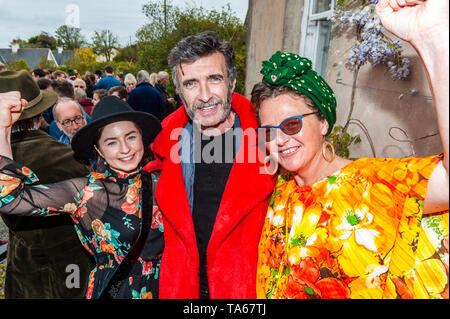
point(42, 251)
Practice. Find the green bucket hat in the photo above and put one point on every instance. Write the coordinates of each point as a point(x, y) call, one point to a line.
point(294, 71)
point(22, 81)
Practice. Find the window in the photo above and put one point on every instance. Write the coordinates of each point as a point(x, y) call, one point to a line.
point(316, 31)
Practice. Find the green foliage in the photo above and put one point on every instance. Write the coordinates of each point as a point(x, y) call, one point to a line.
point(342, 141)
point(43, 40)
point(104, 42)
point(18, 65)
point(169, 24)
point(84, 60)
point(127, 54)
point(70, 37)
point(44, 63)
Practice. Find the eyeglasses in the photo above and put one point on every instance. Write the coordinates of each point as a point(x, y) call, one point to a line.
point(77, 119)
point(290, 126)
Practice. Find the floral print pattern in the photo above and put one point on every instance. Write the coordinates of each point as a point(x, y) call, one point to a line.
point(358, 234)
point(106, 209)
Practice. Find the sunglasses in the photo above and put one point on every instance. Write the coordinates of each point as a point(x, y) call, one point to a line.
point(290, 126)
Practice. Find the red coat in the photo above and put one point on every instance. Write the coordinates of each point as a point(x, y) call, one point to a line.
point(233, 247)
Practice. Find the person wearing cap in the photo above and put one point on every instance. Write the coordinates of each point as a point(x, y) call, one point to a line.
point(370, 228)
point(113, 208)
point(40, 249)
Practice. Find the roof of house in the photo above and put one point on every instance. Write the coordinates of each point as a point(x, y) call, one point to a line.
point(30, 55)
point(61, 58)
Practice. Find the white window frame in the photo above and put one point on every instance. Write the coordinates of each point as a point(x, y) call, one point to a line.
point(308, 17)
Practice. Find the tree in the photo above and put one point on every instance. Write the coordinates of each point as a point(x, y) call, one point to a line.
point(83, 59)
point(21, 64)
point(70, 37)
point(43, 40)
point(168, 24)
point(127, 54)
point(104, 42)
point(44, 63)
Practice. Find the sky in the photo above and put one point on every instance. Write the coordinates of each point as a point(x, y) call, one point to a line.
point(26, 18)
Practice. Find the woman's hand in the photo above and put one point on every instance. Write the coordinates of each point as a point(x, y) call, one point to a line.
point(11, 107)
point(414, 20)
point(424, 24)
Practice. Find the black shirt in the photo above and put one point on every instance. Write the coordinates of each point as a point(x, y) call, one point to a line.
point(211, 176)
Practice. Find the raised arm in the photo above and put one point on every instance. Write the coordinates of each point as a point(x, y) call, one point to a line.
point(425, 25)
point(20, 194)
point(11, 106)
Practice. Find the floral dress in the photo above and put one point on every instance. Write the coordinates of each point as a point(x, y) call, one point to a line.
point(360, 233)
point(107, 215)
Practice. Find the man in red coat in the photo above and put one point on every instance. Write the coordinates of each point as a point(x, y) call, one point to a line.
point(213, 192)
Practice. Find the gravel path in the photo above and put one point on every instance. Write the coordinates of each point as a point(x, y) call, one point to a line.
point(3, 231)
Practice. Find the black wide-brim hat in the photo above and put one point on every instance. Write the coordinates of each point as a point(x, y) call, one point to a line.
point(111, 109)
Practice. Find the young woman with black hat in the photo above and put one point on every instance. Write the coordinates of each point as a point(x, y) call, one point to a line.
point(116, 223)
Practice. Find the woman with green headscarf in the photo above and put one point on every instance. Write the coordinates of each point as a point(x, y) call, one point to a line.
point(369, 228)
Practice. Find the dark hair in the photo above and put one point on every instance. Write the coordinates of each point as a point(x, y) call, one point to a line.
point(39, 72)
point(63, 88)
point(109, 69)
point(99, 73)
point(89, 79)
point(123, 94)
point(193, 47)
point(44, 83)
point(27, 124)
point(263, 91)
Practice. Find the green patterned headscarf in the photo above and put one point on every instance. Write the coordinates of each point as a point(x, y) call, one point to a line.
point(294, 71)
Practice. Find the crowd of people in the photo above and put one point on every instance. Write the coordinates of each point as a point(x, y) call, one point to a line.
point(181, 208)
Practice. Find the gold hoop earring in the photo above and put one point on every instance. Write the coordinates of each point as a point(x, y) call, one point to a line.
point(267, 160)
point(328, 146)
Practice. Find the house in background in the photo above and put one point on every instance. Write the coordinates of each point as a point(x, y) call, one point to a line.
point(33, 55)
point(393, 118)
point(102, 58)
point(62, 56)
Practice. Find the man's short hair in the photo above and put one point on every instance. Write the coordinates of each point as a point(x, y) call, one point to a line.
point(80, 81)
point(123, 94)
point(63, 88)
point(193, 47)
point(109, 69)
point(142, 77)
point(28, 124)
point(44, 83)
point(162, 75)
point(65, 100)
point(39, 72)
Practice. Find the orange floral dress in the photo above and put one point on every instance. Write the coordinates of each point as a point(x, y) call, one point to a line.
point(358, 234)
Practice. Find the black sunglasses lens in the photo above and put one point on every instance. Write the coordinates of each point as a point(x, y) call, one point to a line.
point(291, 126)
